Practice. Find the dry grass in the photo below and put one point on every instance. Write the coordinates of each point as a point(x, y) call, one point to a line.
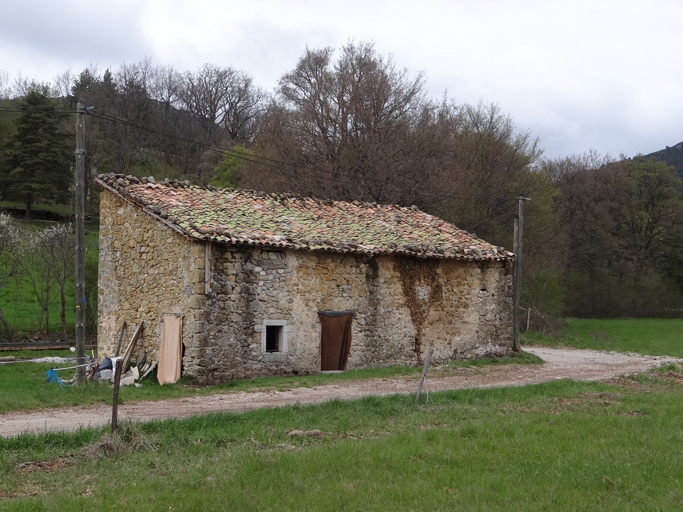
point(127, 439)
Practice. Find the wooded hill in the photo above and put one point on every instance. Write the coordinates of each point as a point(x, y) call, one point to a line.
point(603, 237)
point(672, 156)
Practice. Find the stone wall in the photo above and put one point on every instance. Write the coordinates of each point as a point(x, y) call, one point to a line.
point(404, 306)
point(145, 269)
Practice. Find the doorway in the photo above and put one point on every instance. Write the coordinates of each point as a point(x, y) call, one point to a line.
point(335, 339)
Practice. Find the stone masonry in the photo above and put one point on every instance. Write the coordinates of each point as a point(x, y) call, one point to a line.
point(461, 308)
point(404, 305)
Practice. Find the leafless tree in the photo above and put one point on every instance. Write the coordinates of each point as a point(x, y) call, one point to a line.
point(63, 82)
point(40, 275)
point(223, 99)
point(5, 89)
point(57, 252)
point(354, 127)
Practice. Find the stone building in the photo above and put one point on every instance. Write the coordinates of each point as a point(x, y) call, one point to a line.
point(278, 284)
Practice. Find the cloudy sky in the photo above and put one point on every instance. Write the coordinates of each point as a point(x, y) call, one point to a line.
point(602, 75)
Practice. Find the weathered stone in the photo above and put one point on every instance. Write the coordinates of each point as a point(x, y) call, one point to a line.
point(405, 306)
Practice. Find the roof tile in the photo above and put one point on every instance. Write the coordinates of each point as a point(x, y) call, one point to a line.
point(254, 218)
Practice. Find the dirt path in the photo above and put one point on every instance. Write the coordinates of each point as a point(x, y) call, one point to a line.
point(584, 365)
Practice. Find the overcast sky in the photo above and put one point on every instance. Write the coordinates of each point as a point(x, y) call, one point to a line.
point(602, 75)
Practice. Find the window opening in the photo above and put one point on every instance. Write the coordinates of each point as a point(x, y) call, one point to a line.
point(273, 333)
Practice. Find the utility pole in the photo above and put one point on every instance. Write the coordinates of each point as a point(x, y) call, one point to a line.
point(517, 271)
point(80, 241)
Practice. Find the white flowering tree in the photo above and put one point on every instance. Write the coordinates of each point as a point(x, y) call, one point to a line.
point(9, 259)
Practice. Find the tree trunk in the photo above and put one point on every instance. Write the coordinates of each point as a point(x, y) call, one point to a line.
point(47, 310)
point(9, 332)
point(29, 202)
point(63, 310)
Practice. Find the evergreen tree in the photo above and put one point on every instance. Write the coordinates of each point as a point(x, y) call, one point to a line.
point(36, 160)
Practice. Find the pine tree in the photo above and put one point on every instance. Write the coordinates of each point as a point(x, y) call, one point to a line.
point(36, 160)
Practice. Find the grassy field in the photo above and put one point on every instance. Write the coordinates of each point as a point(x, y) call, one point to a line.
point(557, 446)
point(654, 336)
point(23, 385)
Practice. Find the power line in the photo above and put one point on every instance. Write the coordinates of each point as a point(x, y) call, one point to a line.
point(35, 109)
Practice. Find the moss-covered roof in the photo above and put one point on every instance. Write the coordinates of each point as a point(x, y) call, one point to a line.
point(282, 220)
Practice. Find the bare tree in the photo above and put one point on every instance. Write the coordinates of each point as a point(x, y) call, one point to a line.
point(164, 85)
point(5, 89)
point(354, 127)
point(9, 259)
point(56, 250)
point(63, 82)
point(223, 99)
point(39, 274)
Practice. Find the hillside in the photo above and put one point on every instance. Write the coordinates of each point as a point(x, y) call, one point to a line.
point(671, 155)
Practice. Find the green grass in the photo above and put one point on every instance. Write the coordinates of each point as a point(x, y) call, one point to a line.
point(557, 446)
point(654, 336)
point(23, 385)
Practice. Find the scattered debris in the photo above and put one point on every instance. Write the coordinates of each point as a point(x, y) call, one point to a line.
point(308, 433)
point(129, 378)
point(47, 465)
point(149, 370)
point(287, 447)
point(16, 494)
point(608, 480)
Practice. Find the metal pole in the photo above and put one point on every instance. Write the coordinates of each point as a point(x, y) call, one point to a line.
point(80, 241)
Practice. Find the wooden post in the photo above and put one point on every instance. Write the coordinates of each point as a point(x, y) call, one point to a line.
point(517, 275)
point(515, 287)
point(118, 345)
point(80, 241)
point(528, 318)
point(424, 373)
point(115, 401)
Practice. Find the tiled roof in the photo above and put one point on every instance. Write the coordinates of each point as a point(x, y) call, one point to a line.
point(282, 220)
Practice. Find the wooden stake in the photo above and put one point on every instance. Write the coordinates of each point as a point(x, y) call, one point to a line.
point(424, 373)
point(528, 318)
point(115, 402)
point(131, 346)
point(118, 345)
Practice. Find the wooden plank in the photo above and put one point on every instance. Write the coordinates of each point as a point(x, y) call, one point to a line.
point(131, 346)
point(118, 345)
point(154, 364)
point(424, 374)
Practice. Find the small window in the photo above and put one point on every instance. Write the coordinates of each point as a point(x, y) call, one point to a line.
point(273, 336)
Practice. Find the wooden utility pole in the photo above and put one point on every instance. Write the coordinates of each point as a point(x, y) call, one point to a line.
point(517, 273)
point(80, 241)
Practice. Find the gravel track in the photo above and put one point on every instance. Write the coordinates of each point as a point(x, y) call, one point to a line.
point(584, 365)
